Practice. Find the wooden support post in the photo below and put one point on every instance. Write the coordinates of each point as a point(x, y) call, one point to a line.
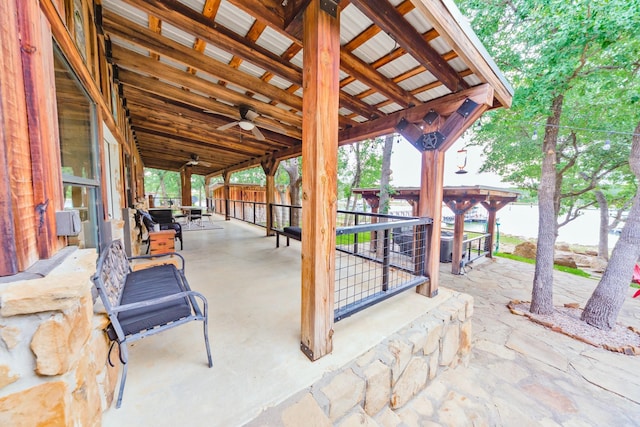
point(270, 167)
point(458, 236)
point(430, 205)
point(226, 176)
point(459, 208)
point(36, 45)
point(493, 206)
point(185, 181)
point(319, 186)
point(491, 229)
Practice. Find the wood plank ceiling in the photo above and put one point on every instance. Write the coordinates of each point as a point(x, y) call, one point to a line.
point(187, 67)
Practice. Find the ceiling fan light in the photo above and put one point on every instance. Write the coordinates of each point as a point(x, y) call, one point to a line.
point(246, 124)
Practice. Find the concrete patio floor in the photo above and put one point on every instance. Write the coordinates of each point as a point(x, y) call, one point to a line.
point(253, 290)
point(520, 373)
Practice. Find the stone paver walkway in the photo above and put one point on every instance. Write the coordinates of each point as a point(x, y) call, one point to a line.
point(522, 374)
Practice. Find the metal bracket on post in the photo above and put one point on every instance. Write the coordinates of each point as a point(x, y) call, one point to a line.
point(330, 6)
point(307, 351)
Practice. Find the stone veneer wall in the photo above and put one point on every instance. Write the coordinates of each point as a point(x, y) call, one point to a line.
point(370, 389)
point(53, 350)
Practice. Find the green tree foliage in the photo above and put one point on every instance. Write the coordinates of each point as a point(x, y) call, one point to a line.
point(164, 185)
point(359, 166)
point(249, 176)
point(575, 70)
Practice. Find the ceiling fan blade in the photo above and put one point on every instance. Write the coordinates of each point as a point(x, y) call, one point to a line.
point(256, 132)
point(227, 126)
point(251, 115)
point(205, 164)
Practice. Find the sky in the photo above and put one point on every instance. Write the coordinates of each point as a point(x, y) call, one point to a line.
point(405, 167)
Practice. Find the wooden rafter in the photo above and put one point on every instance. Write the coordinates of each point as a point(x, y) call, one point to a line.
point(392, 22)
point(194, 23)
point(145, 38)
point(134, 61)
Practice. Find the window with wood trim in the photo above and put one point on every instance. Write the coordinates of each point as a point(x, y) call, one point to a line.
point(78, 152)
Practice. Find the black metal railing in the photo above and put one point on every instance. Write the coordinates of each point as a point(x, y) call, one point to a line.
point(475, 247)
point(285, 216)
point(377, 257)
point(247, 211)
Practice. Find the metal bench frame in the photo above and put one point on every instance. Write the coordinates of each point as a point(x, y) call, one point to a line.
point(289, 232)
point(110, 280)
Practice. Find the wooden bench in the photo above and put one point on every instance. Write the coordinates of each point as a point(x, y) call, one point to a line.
point(145, 302)
point(289, 233)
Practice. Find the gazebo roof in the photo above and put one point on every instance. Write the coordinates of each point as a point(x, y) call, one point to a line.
point(474, 194)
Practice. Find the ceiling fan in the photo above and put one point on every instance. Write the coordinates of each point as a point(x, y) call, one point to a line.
point(247, 116)
point(195, 161)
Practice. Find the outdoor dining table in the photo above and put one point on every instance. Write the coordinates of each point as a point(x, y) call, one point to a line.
point(187, 211)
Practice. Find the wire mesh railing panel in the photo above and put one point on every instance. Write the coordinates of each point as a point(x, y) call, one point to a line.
point(377, 258)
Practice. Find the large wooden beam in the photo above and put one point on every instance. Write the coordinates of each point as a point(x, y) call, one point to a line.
point(36, 48)
point(185, 181)
point(454, 28)
point(8, 112)
point(444, 106)
point(319, 186)
point(371, 77)
point(164, 46)
point(140, 101)
point(147, 65)
point(166, 90)
point(194, 23)
point(383, 14)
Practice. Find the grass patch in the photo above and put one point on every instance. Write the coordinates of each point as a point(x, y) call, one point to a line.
point(349, 239)
point(569, 270)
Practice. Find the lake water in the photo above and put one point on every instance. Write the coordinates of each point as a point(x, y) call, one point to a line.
point(522, 220)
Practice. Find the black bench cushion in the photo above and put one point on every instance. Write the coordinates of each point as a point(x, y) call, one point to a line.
point(154, 282)
point(295, 232)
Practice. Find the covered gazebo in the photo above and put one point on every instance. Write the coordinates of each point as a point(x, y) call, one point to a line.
point(460, 200)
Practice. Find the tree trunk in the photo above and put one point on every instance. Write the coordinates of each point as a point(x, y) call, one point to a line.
point(385, 178)
point(385, 174)
point(603, 239)
point(542, 295)
point(605, 303)
point(355, 182)
point(295, 181)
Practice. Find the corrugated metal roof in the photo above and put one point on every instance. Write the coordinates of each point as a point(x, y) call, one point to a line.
point(391, 108)
point(399, 66)
point(353, 22)
point(355, 87)
point(217, 54)
point(251, 69)
point(274, 41)
point(177, 35)
point(418, 21)
point(417, 81)
point(123, 9)
point(233, 18)
point(375, 48)
point(130, 46)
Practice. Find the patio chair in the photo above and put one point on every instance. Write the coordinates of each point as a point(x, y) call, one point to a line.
point(167, 222)
point(196, 215)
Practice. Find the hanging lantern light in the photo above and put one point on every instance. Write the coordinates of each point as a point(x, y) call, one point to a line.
point(461, 161)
